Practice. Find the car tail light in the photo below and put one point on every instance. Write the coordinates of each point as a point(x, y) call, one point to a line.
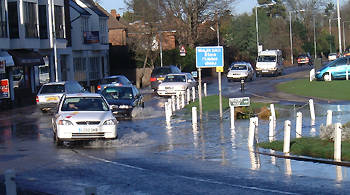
point(37, 99)
point(153, 79)
point(99, 87)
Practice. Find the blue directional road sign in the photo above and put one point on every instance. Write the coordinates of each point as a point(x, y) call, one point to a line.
point(209, 57)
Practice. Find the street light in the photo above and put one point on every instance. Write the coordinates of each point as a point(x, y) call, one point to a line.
point(339, 32)
point(330, 32)
point(257, 23)
point(290, 33)
point(344, 41)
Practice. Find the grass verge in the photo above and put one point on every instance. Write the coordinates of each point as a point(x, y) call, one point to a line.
point(319, 89)
point(310, 146)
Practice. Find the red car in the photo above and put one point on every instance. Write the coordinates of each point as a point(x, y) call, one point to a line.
point(304, 59)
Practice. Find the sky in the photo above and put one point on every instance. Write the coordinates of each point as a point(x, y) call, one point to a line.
point(240, 6)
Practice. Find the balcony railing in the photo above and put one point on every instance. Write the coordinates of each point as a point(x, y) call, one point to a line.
point(3, 29)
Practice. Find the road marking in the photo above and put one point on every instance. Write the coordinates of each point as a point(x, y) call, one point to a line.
point(188, 178)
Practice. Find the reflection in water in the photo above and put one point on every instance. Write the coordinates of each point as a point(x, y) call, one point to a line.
point(288, 167)
point(170, 136)
point(273, 158)
point(339, 173)
point(254, 159)
point(233, 139)
point(195, 135)
point(202, 141)
point(222, 140)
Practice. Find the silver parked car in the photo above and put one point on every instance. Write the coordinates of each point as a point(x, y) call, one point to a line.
point(50, 93)
point(241, 71)
point(83, 116)
point(176, 83)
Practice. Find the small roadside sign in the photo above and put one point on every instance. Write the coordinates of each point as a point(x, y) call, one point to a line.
point(209, 57)
point(219, 69)
point(182, 51)
point(236, 102)
point(194, 74)
point(4, 89)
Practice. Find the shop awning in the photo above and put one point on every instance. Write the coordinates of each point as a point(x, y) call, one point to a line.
point(23, 57)
point(4, 56)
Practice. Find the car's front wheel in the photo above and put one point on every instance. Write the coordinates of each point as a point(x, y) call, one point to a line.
point(58, 141)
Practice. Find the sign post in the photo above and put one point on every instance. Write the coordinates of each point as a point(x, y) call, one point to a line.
point(209, 57)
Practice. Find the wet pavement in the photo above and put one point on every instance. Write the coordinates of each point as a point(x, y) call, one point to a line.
point(155, 157)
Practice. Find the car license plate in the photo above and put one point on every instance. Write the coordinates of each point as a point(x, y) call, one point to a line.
point(89, 129)
point(265, 71)
point(52, 98)
point(160, 79)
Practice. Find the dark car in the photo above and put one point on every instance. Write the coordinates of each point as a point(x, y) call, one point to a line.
point(304, 59)
point(123, 99)
point(117, 80)
point(159, 73)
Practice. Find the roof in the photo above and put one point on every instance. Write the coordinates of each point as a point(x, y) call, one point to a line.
point(56, 83)
point(114, 76)
point(94, 7)
point(77, 8)
point(83, 95)
point(240, 63)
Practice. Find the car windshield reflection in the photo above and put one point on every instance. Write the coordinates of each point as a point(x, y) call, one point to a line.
point(84, 104)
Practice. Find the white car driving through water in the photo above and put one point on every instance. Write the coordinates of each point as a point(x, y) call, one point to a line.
point(83, 116)
point(176, 83)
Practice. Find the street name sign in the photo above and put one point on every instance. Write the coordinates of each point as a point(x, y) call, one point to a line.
point(209, 57)
point(242, 101)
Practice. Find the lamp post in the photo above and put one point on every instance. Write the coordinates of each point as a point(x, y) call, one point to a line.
point(339, 31)
point(315, 37)
point(257, 23)
point(290, 34)
point(330, 32)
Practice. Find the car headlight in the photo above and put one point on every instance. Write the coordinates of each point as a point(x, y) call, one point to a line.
point(64, 122)
point(125, 106)
point(318, 72)
point(183, 87)
point(110, 122)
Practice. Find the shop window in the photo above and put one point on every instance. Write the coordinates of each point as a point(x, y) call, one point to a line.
point(43, 22)
point(94, 68)
point(59, 22)
point(79, 68)
point(3, 20)
point(30, 20)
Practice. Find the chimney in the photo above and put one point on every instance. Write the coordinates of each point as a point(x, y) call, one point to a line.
point(114, 13)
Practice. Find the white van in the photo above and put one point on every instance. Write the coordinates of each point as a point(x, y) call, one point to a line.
point(269, 62)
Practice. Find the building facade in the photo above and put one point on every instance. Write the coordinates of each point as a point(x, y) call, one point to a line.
point(50, 40)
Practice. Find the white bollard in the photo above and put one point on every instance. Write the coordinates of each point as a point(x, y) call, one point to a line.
point(312, 111)
point(182, 100)
point(251, 132)
point(205, 90)
point(271, 129)
point(337, 142)
point(167, 112)
point(178, 102)
point(194, 115)
point(312, 74)
point(173, 103)
point(188, 96)
point(193, 94)
point(232, 110)
point(10, 182)
point(90, 191)
point(286, 143)
point(273, 112)
point(299, 125)
point(329, 117)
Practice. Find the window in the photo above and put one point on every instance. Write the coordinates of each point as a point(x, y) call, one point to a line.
point(13, 20)
point(94, 68)
point(84, 24)
point(30, 20)
point(3, 23)
point(43, 22)
point(59, 25)
point(103, 31)
point(79, 68)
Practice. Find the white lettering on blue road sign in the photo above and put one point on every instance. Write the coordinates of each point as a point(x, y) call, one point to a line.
point(209, 57)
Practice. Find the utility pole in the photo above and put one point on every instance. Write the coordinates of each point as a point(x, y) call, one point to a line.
point(54, 38)
point(339, 31)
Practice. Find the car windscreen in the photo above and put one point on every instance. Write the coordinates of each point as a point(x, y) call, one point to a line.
point(116, 93)
point(84, 104)
point(239, 67)
point(267, 59)
point(175, 78)
point(302, 56)
point(47, 89)
point(161, 71)
point(111, 80)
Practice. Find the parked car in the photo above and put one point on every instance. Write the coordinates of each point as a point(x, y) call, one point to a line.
point(176, 83)
point(83, 116)
point(304, 59)
point(332, 56)
point(123, 99)
point(240, 70)
point(159, 73)
point(335, 69)
point(50, 93)
point(117, 80)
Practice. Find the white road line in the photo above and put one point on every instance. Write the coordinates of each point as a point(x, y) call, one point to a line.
point(189, 178)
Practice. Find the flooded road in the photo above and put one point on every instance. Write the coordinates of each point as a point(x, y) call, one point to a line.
point(154, 157)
